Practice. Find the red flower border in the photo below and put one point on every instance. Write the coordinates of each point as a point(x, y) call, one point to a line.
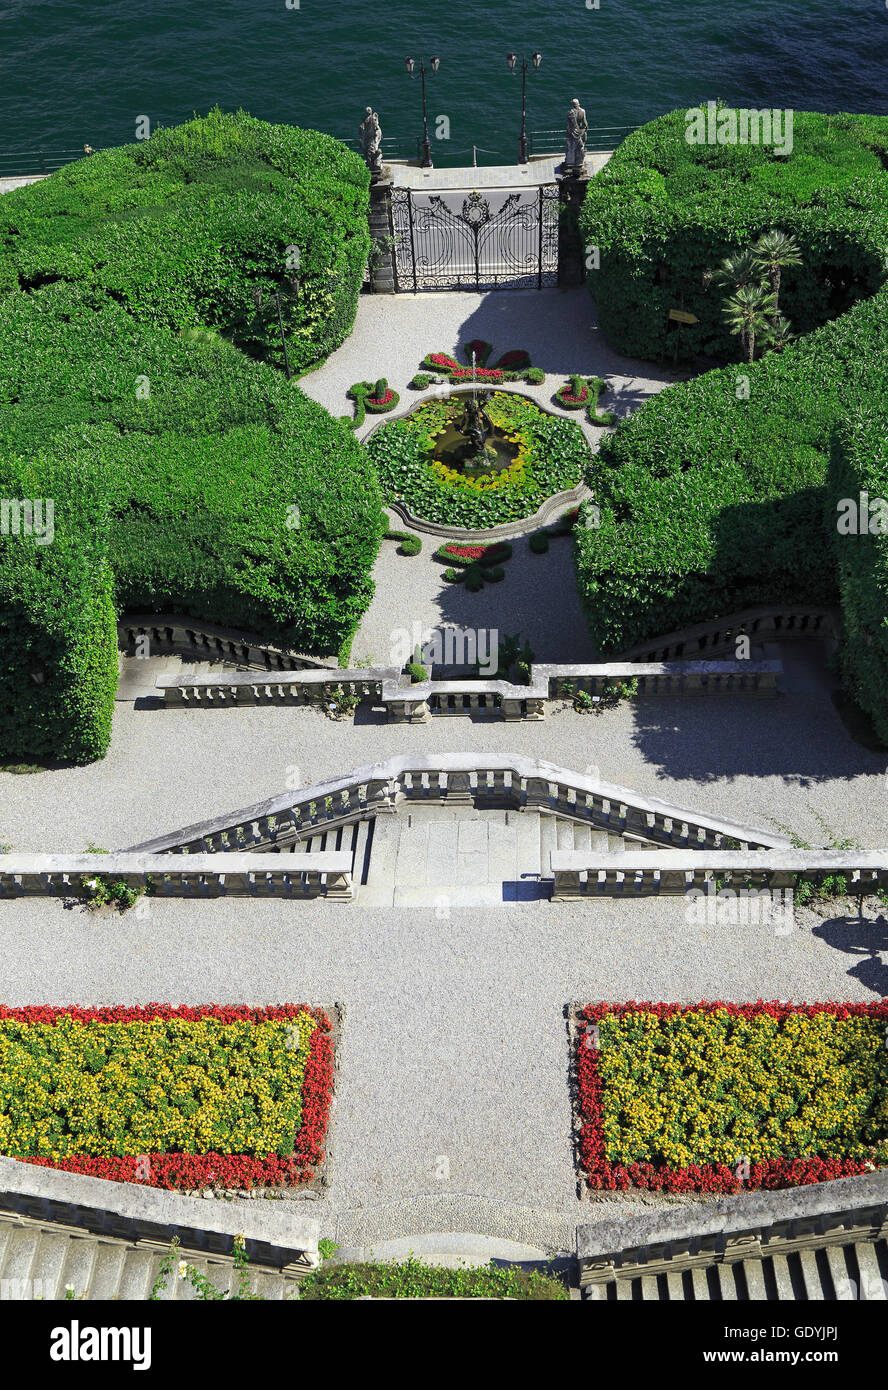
point(714, 1177)
point(172, 1170)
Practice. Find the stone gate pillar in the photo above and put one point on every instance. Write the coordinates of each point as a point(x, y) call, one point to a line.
point(571, 252)
point(382, 274)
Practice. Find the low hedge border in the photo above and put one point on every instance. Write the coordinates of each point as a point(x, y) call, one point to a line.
point(377, 397)
point(409, 544)
point(776, 1172)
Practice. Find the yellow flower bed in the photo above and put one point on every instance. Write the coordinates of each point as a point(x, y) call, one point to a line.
point(159, 1085)
point(703, 1087)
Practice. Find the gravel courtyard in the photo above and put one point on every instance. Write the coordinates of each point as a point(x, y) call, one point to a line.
point(454, 1043)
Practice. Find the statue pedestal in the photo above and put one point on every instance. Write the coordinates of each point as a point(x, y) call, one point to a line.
point(572, 185)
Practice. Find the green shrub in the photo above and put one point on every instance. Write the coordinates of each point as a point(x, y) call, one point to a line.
point(417, 672)
point(859, 464)
point(421, 381)
point(181, 230)
point(58, 633)
point(711, 496)
point(539, 542)
point(415, 1280)
point(534, 376)
point(224, 493)
point(493, 576)
point(409, 543)
point(664, 213)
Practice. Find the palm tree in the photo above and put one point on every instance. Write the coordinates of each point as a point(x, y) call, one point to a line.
point(774, 251)
point(779, 333)
point(749, 313)
point(738, 272)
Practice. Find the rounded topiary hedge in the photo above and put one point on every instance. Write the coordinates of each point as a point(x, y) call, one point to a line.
point(552, 455)
point(185, 478)
point(183, 228)
point(664, 213)
point(711, 496)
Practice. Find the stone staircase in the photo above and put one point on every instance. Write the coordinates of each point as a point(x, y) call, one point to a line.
point(470, 857)
point(65, 1235)
point(38, 1260)
point(818, 1243)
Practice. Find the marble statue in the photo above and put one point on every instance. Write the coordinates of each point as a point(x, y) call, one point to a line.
point(577, 130)
point(371, 141)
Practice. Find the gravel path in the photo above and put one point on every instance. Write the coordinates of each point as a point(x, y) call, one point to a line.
point(750, 760)
point(393, 333)
point(454, 1044)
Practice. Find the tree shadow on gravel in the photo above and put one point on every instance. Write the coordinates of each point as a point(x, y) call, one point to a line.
point(864, 938)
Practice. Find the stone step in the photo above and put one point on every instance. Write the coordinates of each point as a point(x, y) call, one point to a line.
point(548, 843)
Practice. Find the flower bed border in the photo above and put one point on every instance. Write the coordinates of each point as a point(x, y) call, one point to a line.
point(228, 1171)
point(602, 1175)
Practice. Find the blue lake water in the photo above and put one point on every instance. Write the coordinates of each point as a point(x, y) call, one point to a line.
point(77, 72)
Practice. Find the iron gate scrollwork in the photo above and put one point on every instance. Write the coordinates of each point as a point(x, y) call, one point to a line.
point(438, 248)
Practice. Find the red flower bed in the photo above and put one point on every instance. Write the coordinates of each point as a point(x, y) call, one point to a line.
point(467, 552)
point(383, 400)
point(185, 1170)
point(479, 374)
point(440, 359)
point(514, 361)
point(773, 1173)
point(570, 399)
point(481, 350)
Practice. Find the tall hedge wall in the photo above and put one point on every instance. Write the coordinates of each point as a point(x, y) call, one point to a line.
point(859, 464)
point(662, 212)
point(180, 229)
point(226, 493)
point(58, 632)
point(709, 500)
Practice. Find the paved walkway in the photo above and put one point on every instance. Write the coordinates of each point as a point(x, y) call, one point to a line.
point(454, 1042)
point(393, 333)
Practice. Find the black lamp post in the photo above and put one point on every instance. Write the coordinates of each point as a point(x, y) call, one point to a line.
point(512, 59)
point(434, 64)
point(275, 298)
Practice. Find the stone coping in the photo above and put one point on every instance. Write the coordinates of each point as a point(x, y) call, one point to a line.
point(291, 1236)
point(727, 1215)
point(388, 774)
point(395, 686)
point(770, 861)
point(132, 862)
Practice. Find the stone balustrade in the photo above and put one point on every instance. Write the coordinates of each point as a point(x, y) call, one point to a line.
point(749, 1226)
point(762, 624)
point(230, 688)
point(481, 779)
point(417, 704)
point(200, 876)
point(201, 641)
point(639, 873)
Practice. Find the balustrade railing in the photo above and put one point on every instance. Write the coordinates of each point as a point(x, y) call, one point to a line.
point(206, 875)
point(483, 780)
point(406, 703)
point(578, 874)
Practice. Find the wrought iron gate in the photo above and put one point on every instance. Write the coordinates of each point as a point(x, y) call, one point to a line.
point(437, 248)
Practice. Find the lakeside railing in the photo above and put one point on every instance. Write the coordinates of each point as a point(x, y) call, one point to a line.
point(541, 144)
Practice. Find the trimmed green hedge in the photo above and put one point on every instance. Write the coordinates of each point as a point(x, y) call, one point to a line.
point(412, 1279)
point(231, 495)
point(663, 212)
point(182, 228)
point(711, 496)
point(58, 633)
point(859, 464)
